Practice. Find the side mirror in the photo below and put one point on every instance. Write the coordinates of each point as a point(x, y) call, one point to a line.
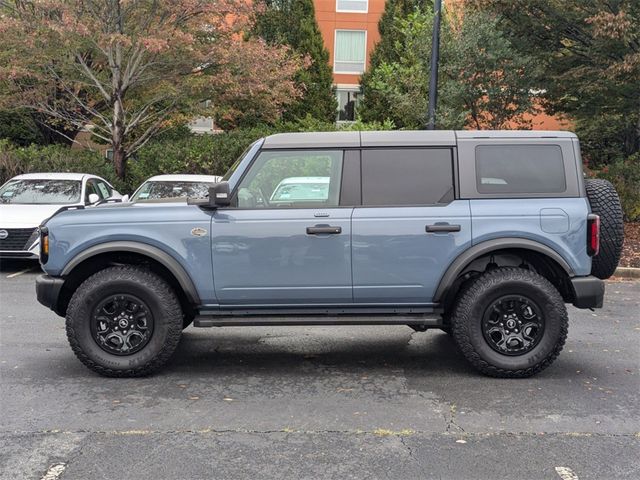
point(125, 198)
point(220, 194)
point(93, 198)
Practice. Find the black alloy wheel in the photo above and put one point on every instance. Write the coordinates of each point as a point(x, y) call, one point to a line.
point(122, 324)
point(513, 325)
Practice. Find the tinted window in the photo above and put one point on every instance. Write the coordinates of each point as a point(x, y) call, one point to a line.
point(520, 169)
point(41, 192)
point(300, 178)
point(407, 177)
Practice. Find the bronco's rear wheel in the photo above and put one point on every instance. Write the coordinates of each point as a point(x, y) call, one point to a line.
point(124, 321)
point(510, 322)
point(605, 203)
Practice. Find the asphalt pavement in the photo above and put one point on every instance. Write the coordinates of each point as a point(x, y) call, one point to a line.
point(318, 402)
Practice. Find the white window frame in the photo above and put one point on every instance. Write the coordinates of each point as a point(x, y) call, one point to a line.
point(366, 10)
point(335, 49)
point(346, 87)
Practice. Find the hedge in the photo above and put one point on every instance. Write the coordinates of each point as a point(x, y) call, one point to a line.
point(173, 152)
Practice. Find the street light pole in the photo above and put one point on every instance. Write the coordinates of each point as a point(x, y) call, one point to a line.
point(435, 57)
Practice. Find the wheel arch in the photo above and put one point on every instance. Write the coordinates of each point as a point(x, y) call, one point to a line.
point(547, 259)
point(103, 255)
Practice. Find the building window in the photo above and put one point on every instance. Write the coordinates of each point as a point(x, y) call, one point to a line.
point(348, 99)
point(358, 6)
point(350, 51)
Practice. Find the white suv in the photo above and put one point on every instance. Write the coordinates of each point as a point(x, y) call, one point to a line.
point(26, 201)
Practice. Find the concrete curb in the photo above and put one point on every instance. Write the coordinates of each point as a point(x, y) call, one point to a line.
point(627, 272)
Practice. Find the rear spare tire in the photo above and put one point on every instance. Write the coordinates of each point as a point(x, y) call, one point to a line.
point(605, 203)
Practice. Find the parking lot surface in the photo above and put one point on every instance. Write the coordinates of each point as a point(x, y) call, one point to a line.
point(318, 402)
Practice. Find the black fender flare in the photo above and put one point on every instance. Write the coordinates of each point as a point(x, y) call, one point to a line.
point(160, 256)
point(471, 254)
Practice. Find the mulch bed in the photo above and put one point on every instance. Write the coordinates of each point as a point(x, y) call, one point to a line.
point(631, 250)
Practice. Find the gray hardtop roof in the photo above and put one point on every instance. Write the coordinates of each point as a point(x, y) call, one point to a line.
point(396, 138)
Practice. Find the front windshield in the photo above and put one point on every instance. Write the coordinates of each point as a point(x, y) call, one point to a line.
point(153, 191)
point(39, 192)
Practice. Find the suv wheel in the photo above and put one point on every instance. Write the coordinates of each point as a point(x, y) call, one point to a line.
point(124, 321)
point(510, 322)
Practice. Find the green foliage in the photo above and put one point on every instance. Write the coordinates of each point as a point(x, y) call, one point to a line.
point(589, 54)
point(18, 127)
point(625, 175)
point(483, 81)
point(15, 160)
point(293, 23)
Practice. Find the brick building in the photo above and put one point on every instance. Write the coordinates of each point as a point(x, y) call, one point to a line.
point(350, 31)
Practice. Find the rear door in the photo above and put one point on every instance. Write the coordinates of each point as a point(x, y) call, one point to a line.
point(410, 226)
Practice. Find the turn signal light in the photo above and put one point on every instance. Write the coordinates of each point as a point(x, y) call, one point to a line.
point(593, 235)
point(44, 245)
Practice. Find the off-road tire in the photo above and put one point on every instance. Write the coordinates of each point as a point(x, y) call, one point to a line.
point(468, 311)
point(605, 202)
point(149, 287)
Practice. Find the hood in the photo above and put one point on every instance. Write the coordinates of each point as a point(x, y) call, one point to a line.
point(25, 216)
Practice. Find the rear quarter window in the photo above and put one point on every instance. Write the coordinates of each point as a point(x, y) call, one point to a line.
point(520, 169)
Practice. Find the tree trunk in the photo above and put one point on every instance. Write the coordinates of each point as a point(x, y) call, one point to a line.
point(120, 162)
point(117, 138)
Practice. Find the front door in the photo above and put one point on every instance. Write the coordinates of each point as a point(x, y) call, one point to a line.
point(409, 227)
point(288, 241)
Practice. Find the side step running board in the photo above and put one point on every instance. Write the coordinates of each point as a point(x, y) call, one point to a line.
point(251, 321)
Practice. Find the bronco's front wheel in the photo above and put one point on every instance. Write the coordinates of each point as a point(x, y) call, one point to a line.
point(124, 321)
point(510, 322)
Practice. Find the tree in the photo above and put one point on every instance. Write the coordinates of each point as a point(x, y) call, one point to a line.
point(483, 81)
point(133, 68)
point(389, 51)
point(589, 53)
point(293, 23)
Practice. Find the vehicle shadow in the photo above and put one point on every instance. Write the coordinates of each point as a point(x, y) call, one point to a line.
point(11, 265)
point(431, 352)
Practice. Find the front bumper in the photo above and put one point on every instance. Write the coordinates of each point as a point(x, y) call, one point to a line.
point(48, 291)
point(588, 292)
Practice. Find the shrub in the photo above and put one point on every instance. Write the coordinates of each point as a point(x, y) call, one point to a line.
point(625, 175)
point(15, 160)
point(175, 151)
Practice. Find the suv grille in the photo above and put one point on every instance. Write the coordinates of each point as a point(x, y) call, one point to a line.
point(16, 239)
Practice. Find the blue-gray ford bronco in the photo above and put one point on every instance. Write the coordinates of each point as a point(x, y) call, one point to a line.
point(485, 235)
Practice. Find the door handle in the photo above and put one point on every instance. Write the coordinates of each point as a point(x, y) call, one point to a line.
point(323, 229)
point(442, 228)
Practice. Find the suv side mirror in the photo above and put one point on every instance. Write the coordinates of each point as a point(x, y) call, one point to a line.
point(220, 194)
point(93, 198)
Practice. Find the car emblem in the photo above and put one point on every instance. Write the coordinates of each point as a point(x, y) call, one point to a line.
point(3, 234)
point(198, 232)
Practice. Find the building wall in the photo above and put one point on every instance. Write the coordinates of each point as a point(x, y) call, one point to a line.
point(330, 20)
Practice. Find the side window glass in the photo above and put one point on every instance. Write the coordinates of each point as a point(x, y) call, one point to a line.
point(407, 176)
point(91, 188)
point(293, 178)
point(520, 169)
point(105, 191)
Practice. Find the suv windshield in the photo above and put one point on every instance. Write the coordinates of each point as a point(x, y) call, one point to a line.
point(39, 192)
point(150, 191)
